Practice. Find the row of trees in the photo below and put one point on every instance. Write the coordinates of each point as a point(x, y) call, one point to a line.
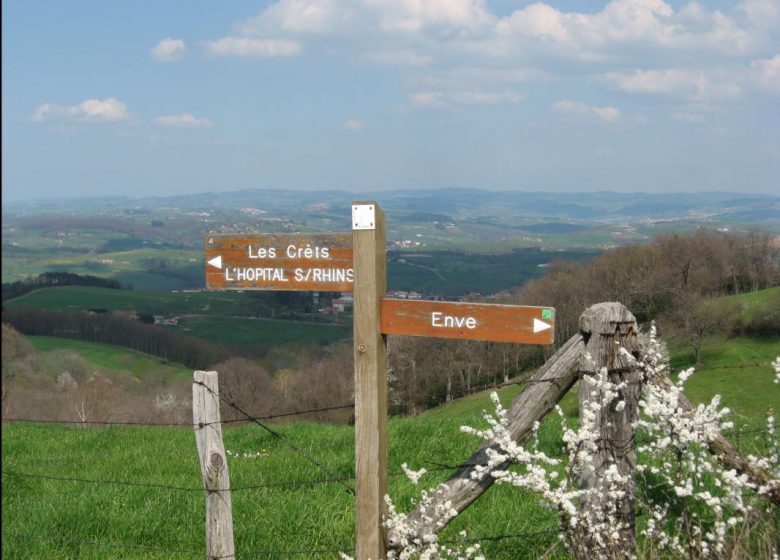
point(48, 279)
point(109, 329)
point(670, 280)
point(62, 385)
point(671, 273)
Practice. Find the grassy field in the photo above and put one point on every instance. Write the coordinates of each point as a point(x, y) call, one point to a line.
point(224, 317)
point(49, 518)
point(83, 298)
point(112, 357)
point(262, 332)
point(160, 515)
point(457, 273)
point(268, 521)
point(729, 369)
point(151, 268)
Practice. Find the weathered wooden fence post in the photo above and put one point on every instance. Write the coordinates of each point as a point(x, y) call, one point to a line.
point(608, 328)
point(370, 284)
point(213, 465)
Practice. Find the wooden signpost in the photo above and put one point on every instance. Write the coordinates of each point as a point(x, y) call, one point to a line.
point(276, 261)
point(368, 224)
point(468, 321)
point(357, 263)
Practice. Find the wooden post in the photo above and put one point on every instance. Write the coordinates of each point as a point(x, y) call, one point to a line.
point(213, 465)
point(608, 328)
point(370, 284)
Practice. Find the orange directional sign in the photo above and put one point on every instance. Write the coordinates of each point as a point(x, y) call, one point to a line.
point(278, 261)
point(468, 321)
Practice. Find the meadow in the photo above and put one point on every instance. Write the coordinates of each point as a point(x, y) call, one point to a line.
point(112, 358)
point(265, 333)
point(84, 298)
point(148, 501)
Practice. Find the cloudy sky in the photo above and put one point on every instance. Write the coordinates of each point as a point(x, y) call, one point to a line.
point(138, 98)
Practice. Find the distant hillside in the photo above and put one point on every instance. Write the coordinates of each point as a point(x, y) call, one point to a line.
point(443, 204)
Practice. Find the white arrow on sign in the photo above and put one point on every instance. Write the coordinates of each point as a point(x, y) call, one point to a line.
point(540, 326)
point(217, 261)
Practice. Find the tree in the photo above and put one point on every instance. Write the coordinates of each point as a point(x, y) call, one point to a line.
point(694, 319)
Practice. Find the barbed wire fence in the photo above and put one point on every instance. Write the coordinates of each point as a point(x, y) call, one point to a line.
point(330, 478)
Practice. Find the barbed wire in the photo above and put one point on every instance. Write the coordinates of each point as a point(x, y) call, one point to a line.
point(337, 479)
point(248, 418)
point(277, 436)
point(180, 424)
point(531, 381)
point(263, 552)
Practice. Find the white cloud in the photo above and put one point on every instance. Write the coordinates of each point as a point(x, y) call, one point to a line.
point(647, 24)
point(333, 17)
point(185, 120)
point(91, 110)
point(456, 27)
point(434, 40)
point(608, 113)
point(768, 72)
point(169, 50)
point(690, 117)
point(399, 58)
point(353, 125)
point(691, 85)
point(260, 48)
point(448, 99)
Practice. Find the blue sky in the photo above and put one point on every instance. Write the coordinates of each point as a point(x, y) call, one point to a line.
point(140, 98)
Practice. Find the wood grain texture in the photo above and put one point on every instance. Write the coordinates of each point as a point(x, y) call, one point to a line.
point(280, 261)
point(467, 321)
point(610, 328)
point(213, 465)
point(370, 264)
point(547, 386)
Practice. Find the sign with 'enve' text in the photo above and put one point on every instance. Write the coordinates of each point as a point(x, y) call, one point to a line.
point(468, 321)
point(280, 261)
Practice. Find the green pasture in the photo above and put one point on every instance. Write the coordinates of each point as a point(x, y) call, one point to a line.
point(153, 268)
point(456, 273)
point(739, 369)
point(84, 298)
point(749, 304)
point(278, 509)
point(112, 357)
point(261, 332)
point(54, 518)
point(32, 239)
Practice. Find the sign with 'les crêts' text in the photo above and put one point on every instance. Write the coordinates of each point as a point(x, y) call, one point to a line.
point(278, 261)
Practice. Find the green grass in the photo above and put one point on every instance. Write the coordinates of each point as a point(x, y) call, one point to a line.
point(728, 370)
point(262, 332)
point(112, 357)
point(456, 273)
point(83, 298)
point(749, 302)
point(38, 514)
point(281, 518)
point(153, 268)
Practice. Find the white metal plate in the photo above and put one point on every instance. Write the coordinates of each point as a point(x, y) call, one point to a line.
point(363, 216)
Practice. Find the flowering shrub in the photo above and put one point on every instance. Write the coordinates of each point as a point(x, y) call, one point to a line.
point(691, 505)
point(693, 501)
